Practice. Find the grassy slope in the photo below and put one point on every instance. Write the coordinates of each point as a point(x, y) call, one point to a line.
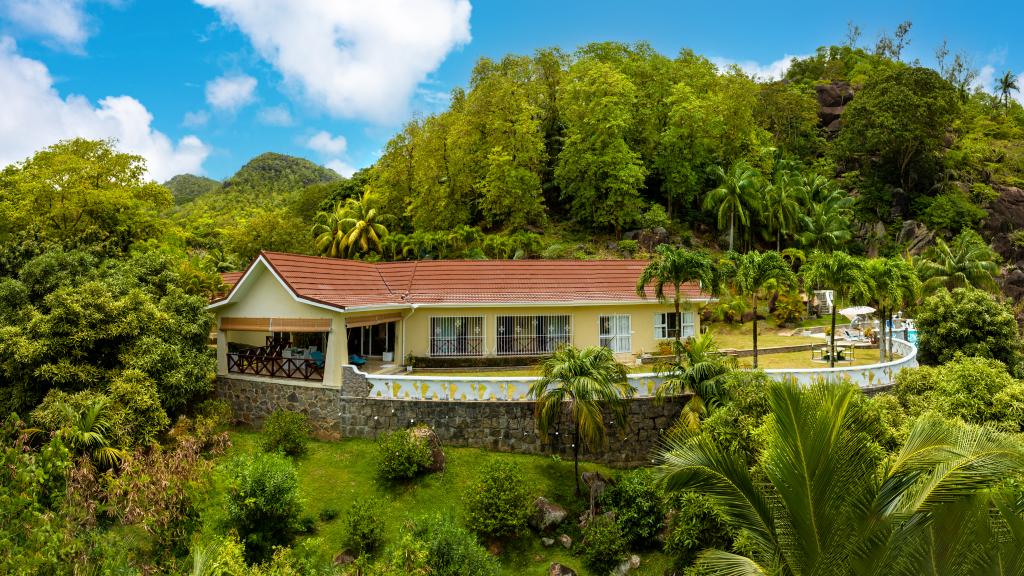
point(334, 474)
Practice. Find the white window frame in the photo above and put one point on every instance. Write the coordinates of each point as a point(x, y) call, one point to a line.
point(687, 325)
point(616, 341)
point(447, 346)
point(526, 330)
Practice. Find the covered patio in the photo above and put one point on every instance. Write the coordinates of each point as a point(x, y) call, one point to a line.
point(291, 348)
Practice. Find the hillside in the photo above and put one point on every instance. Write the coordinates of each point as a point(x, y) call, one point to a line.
point(278, 172)
point(188, 187)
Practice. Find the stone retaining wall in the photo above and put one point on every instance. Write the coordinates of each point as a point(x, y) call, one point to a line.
point(506, 426)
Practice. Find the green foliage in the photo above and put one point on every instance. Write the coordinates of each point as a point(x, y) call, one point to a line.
point(139, 418)
point(187, 187)
point(401, 456)
point(969, 322)
point(269, 172)
point(655, 217)
point(696, 525)
point(263, 504)
point(364, 527)
point(789, 309)
point(967, 261)
point(603, 545)
point(498, 504)
point(952, 212)
point(287, 432)
point(639, 507)
point(453, 551)
point(964, 388)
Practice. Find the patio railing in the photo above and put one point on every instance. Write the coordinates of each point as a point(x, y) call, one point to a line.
point(441, 387)
point(274, 366)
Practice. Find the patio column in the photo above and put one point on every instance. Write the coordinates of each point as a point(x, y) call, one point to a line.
point(222, 352)
point(336, 353)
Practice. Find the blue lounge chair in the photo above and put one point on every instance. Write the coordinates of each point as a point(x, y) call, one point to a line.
point(318, 358)
point(356, 360)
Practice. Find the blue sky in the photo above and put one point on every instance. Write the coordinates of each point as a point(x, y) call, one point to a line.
point(203, 86)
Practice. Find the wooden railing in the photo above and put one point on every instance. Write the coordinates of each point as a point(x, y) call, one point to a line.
point(276, 366)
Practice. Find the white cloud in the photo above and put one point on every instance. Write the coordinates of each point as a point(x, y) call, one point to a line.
point(326, 144)
point(62, 21)
point(986, 79)
point(230, 92)
point(275, 116)
point(771, 71)
point(341, 167)
point(34, 116)
point(196, 119)
point(355, 59)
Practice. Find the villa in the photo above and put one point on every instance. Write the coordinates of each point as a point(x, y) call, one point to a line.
point(303, 317)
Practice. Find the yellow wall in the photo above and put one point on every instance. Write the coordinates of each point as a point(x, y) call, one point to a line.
point(585, 328)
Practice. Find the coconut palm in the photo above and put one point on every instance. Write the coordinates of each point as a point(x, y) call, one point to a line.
point(966, 261)
point(826, 224)
point(674, 267)
point(736, 196)
point(781, 208)
point(580, 385)
point(894, 283)
point(698, 372)
point(845, 275)
point(1007, 83)
point(822, 504)
point(755, 272)
point(350, 229)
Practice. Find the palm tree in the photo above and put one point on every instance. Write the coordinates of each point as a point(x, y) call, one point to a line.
point(755, 272)
point(781, 208)
point(826, 224)
point(893, 285)
point(350, 229)
point(1007, 83)
point(87, 431)
point(841, 273)
point(822, 504)
point(580, 384)
point(674, 267)
point(735, 198)
point(966, 261)
point(699, 374)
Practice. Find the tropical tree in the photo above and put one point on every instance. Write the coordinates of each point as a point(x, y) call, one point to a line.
point(822, 503)
point(674, 267)
point(1007, 83)
point(826, 222)
point(735, 198)
point(893, 284)
point(781, 211)
point(697, 372)
point(88, 430)
point(966, 261)
point(580, 385)
point(845, 275)
point(755, 272)
point(351, 229)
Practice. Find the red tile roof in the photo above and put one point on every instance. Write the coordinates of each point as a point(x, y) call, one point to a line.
point(231, 278)
point(351, 283)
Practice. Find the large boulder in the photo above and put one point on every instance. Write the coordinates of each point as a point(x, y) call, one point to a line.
point(557, 569)
point(1005, 215)
point(832, 101)
point(627, 565)
point(915, 236)
point(426, 434)
point(546, 514)
point(596, 483)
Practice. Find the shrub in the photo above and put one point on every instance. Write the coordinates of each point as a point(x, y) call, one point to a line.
point(364, 526)
point(263, 502)
point(287, 432)
point(629, 247)
point(141, 419)
point(696, 525)
point(400, 456)
point(639, 506)
point(216, 415)
point(328, 514)
point(966, 388)
point(498, 505)
point(1008, 407)
point(452, 550)
point(655, 217)
point(789, 309)
point(970, 322)
point(603, 547)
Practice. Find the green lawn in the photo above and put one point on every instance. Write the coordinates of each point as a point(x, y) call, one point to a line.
point(740, 336)
point(802, 359)
point(334, 474)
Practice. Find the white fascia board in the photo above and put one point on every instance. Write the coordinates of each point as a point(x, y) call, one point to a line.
point(269, 268)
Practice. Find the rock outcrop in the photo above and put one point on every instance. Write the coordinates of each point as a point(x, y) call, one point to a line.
point(426, 434)
point(546, 514)
point(832, 100)
point(915, 236)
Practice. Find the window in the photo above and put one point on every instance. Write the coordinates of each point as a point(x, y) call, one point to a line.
point(457, 336)
point(532, 335)
point(666, 325)
point(616, 333)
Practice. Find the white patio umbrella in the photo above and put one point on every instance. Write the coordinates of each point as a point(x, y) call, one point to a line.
point(854, 311)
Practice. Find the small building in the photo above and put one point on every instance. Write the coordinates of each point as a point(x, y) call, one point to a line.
point(304, 317)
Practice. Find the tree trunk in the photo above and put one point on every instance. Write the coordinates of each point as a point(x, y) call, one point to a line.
point(679, 330)
point(732, 220)
point(778, 241)
point(754, 298)
point(832, 337)
point(576, 457)
point(881, 334)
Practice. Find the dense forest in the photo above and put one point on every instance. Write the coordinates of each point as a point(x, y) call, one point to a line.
point(891, 182)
